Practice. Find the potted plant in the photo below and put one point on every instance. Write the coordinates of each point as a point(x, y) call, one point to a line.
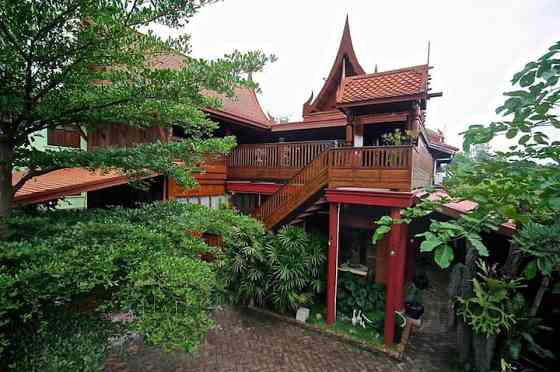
point(413, 305)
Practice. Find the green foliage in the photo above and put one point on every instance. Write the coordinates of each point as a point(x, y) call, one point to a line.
point(355, 293)
point(541, 244)
point(491, 310)
point(523, 334)
point(283, 271)
point(171, 296)
point(85, 64)
point(398, 138)
point(145, 260)
point(66, 343)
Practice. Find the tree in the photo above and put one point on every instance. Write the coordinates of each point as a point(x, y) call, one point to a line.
point(520, 186)
point(84, 63)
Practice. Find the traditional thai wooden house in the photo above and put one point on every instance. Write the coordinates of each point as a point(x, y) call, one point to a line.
point(335, 170)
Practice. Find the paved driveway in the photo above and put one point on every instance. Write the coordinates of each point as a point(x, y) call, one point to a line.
point(248, 341)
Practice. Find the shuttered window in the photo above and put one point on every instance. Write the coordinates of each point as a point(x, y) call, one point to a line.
point(64, 137)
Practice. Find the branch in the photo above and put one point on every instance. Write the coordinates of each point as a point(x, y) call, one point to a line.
point(29, 175)
point(58, 19)
point(6, 31)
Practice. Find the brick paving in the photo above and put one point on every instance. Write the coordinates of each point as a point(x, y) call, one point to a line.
point(244, 340)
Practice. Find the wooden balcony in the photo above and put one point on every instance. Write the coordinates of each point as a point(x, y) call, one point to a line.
point(400, 168)
point(273, 161)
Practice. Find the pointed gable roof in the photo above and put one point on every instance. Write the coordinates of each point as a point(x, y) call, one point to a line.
point(345, 59)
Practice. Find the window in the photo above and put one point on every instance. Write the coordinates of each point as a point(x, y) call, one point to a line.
point(213, 202)
point(64, 136)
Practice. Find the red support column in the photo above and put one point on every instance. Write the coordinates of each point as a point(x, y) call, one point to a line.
point(332, 262)
point(391, 293)
point(401, 267)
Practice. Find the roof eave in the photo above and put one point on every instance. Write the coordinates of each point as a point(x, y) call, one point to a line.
point(404, 98)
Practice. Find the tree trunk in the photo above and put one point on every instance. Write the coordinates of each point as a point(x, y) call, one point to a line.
point(483, 352)
point(6, 189)
point(538, 298)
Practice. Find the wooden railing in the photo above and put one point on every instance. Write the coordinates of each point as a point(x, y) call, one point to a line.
point(274, 160)
point(315, 176)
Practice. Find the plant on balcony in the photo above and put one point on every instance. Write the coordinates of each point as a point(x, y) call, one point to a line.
point(399, 138)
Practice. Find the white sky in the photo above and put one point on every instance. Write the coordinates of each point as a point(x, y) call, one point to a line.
point(476, 46)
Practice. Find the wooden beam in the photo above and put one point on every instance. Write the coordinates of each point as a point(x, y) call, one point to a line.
point(365, 197)
point(382, 118)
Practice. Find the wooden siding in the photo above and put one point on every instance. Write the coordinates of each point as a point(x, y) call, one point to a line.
point(371, 167)
point(422, 166)
point(63, 137)
point(115, 135)
point(211, 181)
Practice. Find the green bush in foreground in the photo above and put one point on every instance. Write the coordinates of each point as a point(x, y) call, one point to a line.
point(145, 260)
point(283, 272)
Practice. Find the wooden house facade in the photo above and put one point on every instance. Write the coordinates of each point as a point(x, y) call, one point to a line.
point(333, 171)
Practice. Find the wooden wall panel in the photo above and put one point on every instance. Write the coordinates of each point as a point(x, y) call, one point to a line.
point(211, 181)
point(116, 135)
point(397, 179)
point(422, 166)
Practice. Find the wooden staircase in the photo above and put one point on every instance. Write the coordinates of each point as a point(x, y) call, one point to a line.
point(307, 182)
point(348, 167)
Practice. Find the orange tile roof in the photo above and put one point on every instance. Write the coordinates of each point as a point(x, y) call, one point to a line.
point(382, 85)
point(456, 209)
point(244, 105)
point(437, 138)
point(64, 182)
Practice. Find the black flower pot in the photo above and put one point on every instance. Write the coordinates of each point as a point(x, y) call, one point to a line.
point(519, 367)
point(413, 309)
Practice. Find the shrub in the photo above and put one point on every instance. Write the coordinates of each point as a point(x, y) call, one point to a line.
point(284, 271)
point(141, 259)
point(171, 296)
point(355, 293)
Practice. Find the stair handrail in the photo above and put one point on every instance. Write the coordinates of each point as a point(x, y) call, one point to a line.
point(330, 159)
point(282, 188)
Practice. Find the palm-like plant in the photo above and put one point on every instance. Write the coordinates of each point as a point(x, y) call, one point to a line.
point(284, 271)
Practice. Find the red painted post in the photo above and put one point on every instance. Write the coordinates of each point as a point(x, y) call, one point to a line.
point(401, 266)
point(332, 262)
point(392, 279)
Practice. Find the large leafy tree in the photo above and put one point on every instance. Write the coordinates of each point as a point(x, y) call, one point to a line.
point(519, 186)
point(87, 63)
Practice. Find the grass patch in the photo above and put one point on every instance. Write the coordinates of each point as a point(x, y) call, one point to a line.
point(371, 335)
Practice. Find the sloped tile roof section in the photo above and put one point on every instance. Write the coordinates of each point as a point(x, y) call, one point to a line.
point(64, 182)
point(244, 106)
point(401, 83)
point(346, 56)
point(437, 141)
